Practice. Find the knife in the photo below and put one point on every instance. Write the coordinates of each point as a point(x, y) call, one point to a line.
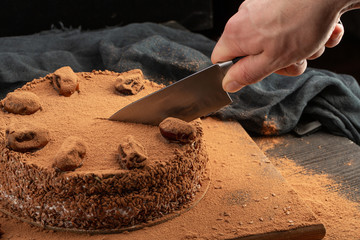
point(192, 97)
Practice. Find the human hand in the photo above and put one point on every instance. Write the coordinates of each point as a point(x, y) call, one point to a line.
point(277, 36)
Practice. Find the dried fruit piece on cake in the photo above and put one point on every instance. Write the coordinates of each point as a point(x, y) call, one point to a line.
point(21, 102)
point(25, 137)
point(177, 130)
point(131, 153)
point(70, 155)
point(65, 81)
point(130, 83)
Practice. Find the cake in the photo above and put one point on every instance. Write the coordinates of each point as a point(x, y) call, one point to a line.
point(64, 165)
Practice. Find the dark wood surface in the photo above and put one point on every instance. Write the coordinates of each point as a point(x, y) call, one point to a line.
point(322, 152)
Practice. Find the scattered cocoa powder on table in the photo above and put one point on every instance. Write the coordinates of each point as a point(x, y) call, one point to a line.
point(340, 216)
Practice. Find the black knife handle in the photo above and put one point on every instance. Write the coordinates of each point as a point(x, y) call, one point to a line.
point(235, 60)
point(226, 65)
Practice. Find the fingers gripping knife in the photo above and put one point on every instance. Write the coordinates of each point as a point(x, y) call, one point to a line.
point(189, 98)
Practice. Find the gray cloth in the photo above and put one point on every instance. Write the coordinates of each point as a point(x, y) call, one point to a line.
point(278, 102)
point(161, 52)
point(166, 54)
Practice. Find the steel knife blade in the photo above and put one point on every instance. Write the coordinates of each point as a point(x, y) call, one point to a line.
point(192, 97)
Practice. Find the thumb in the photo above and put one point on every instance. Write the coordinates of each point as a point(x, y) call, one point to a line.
point(248, 70)
point(223, 51)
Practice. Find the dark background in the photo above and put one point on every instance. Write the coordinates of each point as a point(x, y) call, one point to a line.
point(20, 17)
point(208, 17)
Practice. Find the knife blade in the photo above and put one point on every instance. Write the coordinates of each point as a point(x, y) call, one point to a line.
point(189, 98)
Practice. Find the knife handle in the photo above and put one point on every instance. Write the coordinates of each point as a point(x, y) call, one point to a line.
point(226, 65)
point(235, 60)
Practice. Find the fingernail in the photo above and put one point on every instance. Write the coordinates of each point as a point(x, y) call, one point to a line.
point(232, 86)
point(300, 62)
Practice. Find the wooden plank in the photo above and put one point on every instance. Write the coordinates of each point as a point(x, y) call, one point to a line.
point(247, 199)
point(322, 152)
point(269, 197)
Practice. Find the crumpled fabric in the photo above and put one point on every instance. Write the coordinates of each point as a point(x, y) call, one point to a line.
point(163, 53)
point(273, 106)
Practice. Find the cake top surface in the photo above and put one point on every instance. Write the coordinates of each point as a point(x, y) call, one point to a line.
point(84, 114)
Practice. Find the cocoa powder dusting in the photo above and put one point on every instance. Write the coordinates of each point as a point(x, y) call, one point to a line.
point(340, 215)
point(269, 127)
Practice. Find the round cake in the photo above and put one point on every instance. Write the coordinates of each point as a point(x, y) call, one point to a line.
point(65, 165)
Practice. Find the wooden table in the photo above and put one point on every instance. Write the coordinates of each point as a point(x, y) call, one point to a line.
point(336, 156)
